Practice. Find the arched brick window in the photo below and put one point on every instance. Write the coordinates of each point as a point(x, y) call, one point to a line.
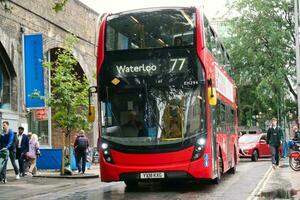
point(5, 80)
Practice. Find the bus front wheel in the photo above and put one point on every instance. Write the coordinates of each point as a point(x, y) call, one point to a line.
point(217, 180)
point(233, 169)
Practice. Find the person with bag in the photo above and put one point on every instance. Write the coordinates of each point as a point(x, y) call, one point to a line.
point(33, 153)
point(81, 145)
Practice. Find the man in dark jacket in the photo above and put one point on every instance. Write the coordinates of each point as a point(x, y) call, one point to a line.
point(274, 139)
point(81, 145)
point(22, 149)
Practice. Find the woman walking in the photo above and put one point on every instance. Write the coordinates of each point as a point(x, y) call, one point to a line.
point(33, 154)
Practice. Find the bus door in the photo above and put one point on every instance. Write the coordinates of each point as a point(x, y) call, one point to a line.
point(213, 128)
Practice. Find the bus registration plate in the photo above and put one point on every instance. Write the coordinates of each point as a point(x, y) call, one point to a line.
point(152, 175)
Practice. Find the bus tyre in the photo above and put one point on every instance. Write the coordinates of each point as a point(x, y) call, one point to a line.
point(254, 155)
point(232, 170)
point(217, 180)
point(131, 183)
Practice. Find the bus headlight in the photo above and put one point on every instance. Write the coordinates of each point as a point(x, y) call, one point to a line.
point(201, 141)
point(106, 153)
point(199, 147)
point(104, 146)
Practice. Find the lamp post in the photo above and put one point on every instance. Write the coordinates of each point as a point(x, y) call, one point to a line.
point(296, 10)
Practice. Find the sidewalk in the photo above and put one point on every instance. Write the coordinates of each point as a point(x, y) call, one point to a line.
point(281, 183)
point(92, 172)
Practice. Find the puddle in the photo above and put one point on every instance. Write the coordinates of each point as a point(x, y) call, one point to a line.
point(280, 193)
point(284, 166)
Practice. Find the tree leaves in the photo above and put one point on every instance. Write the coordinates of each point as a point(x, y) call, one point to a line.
point(69, 94)
point(59, 5)
point(262, 53)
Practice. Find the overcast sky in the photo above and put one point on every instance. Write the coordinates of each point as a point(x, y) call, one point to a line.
point(211, 7)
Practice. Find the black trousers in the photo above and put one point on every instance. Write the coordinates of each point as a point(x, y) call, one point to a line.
point(12, 157)
point(80, 159)
point(21, 160)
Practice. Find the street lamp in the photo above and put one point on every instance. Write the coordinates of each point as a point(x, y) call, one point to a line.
point(296, 9)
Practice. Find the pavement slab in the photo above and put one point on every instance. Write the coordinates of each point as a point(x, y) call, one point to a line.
point(282, 183)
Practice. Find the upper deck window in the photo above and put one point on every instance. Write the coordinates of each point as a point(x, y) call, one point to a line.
point(151, 29)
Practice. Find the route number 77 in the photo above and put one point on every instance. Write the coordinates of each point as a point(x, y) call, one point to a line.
point(178, 63)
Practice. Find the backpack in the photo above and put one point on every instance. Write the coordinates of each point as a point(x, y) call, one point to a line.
point(82, 143)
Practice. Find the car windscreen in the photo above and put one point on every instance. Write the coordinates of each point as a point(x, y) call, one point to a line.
point(249, 138)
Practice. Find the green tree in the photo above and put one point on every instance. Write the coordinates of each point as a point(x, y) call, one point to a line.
point(69, 94)
point(261, 47)
point(59, 5)
point(4, 4)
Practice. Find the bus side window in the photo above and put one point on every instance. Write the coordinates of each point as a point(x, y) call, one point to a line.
point(208, 35)
point(223, 118)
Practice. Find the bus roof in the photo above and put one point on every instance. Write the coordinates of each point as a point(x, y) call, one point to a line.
point(138, 5)
point(148, 9)
point(152, 8)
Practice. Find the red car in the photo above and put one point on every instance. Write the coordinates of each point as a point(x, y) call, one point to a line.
point(255, 146)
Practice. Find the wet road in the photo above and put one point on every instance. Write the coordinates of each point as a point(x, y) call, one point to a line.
point(237, 186)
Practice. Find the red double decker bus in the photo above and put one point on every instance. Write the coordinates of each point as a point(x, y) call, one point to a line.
point(167, 108)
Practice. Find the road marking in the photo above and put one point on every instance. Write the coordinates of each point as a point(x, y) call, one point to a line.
point(260, 185)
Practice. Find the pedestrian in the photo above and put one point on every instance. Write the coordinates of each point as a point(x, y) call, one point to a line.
point(12, 155)
point(296, 131)
point(81, 145)
point(4, 154)
point(274, 139)
point(33, 153)
point(22, 149)
point(7, 141)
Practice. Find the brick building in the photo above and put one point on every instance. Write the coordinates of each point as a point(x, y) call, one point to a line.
point(30, 17)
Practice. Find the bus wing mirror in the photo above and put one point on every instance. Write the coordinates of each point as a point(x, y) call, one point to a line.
point(212, 96)
point(91, 113)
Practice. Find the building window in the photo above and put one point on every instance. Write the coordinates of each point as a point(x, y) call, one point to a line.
point(38, 124)
point(5, 85)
